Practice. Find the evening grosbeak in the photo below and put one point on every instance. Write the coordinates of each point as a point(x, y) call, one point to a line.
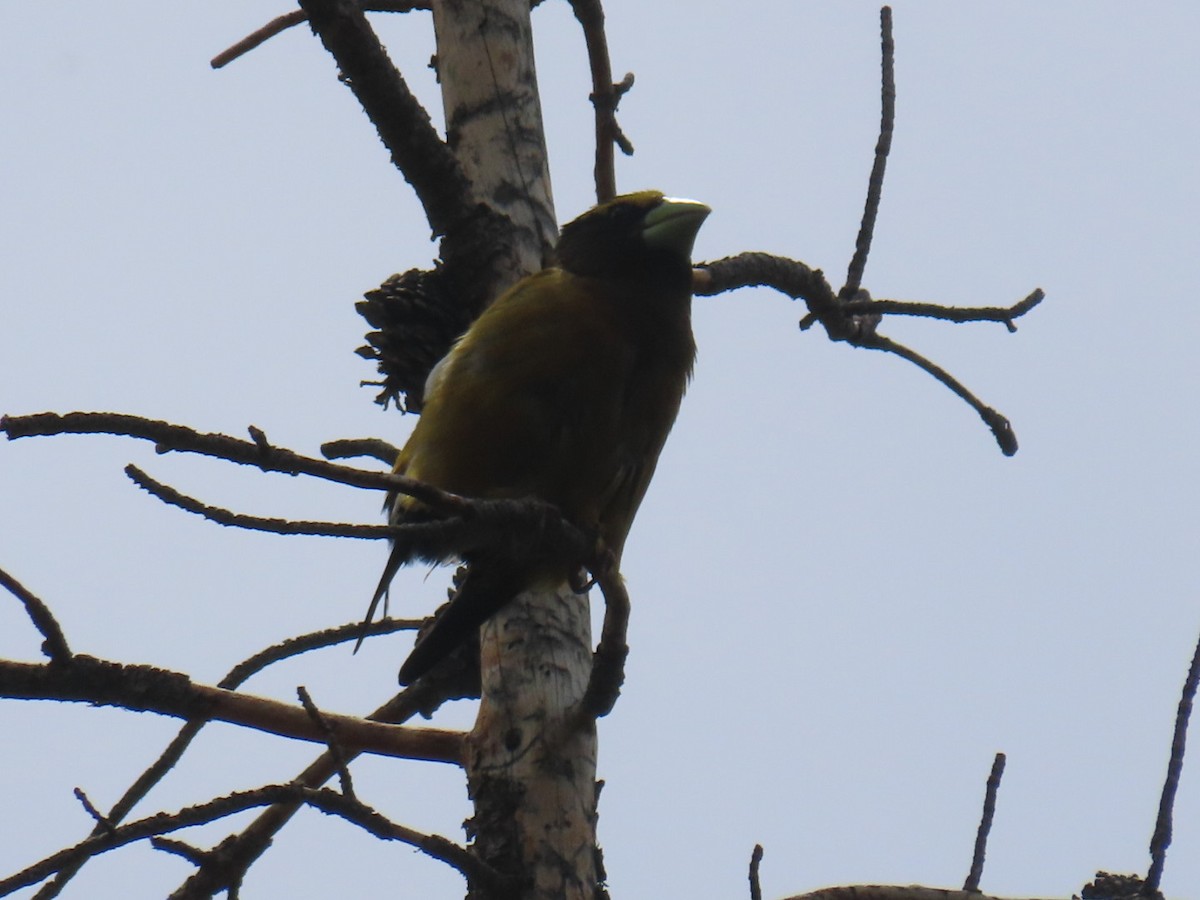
point(563, 390)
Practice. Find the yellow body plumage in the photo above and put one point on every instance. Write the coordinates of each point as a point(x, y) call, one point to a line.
point(564, 389)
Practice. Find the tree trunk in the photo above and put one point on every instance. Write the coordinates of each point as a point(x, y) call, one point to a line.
point(531, 777)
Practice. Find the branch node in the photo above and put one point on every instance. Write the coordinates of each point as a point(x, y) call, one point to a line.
point(260, 438)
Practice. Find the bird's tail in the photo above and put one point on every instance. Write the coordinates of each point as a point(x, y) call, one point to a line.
point(486, 588)
point(396, 559)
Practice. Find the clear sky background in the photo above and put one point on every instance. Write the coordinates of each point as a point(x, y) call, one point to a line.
point(846, 600)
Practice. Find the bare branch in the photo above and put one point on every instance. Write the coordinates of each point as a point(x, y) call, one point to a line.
point(239, 851)
point(274, 525)
point(855, 321)
point(281, 23)
point(956, 314)
point(883, 146)
point(1000, 427)
point(1162, 827)
point(55, 644)
point(417, 150)
point(179, 438)
point(334, 748)
point(519, 528)
point(985, 825)
point(475, 870)
point(327, 637)
point(752, 269)
point(102, 822)
point(327, 801)
point(755, 861)
point(526, 528)
point(155, 772)
point(147, 689)
point(800, 282)
point(851, 315)
point(605, 97)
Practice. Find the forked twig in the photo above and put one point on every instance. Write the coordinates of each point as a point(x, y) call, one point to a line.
point(850, 314)
point(855, 322)
point(325, 800)
point(168, 438)
point(241, 849)
point(605, 97)
point(223, 516)
point(234, 679)
point(402, 123)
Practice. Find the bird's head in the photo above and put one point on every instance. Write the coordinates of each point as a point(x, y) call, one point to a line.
point(632, 235)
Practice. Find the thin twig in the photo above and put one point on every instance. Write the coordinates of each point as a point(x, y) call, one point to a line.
point(287, 20)
point(755, 860)
point(1162, 827)
point(474, 869)
point(281, 23)
point(956, 314)
point(417, 149)
point(194, 855)
point(985, 824)
point(520, 528)
point(169, 438)
point(325, 800)
point(55, 643)
point(883, 146)
point(274, 525)
point(1000, 427)
point(855, 321)
point(257, 37)
point(605, 97)
point(331, 742)
point(101, 821)
point(522, 523)
point(236, 676)
point(851, 315)
point(240, 850)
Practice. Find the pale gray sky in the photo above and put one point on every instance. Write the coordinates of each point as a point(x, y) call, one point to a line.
point(845, 599)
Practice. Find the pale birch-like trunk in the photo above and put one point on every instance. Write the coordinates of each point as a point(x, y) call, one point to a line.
point(533, 782)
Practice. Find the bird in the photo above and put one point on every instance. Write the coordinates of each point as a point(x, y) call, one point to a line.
point(563, 390)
